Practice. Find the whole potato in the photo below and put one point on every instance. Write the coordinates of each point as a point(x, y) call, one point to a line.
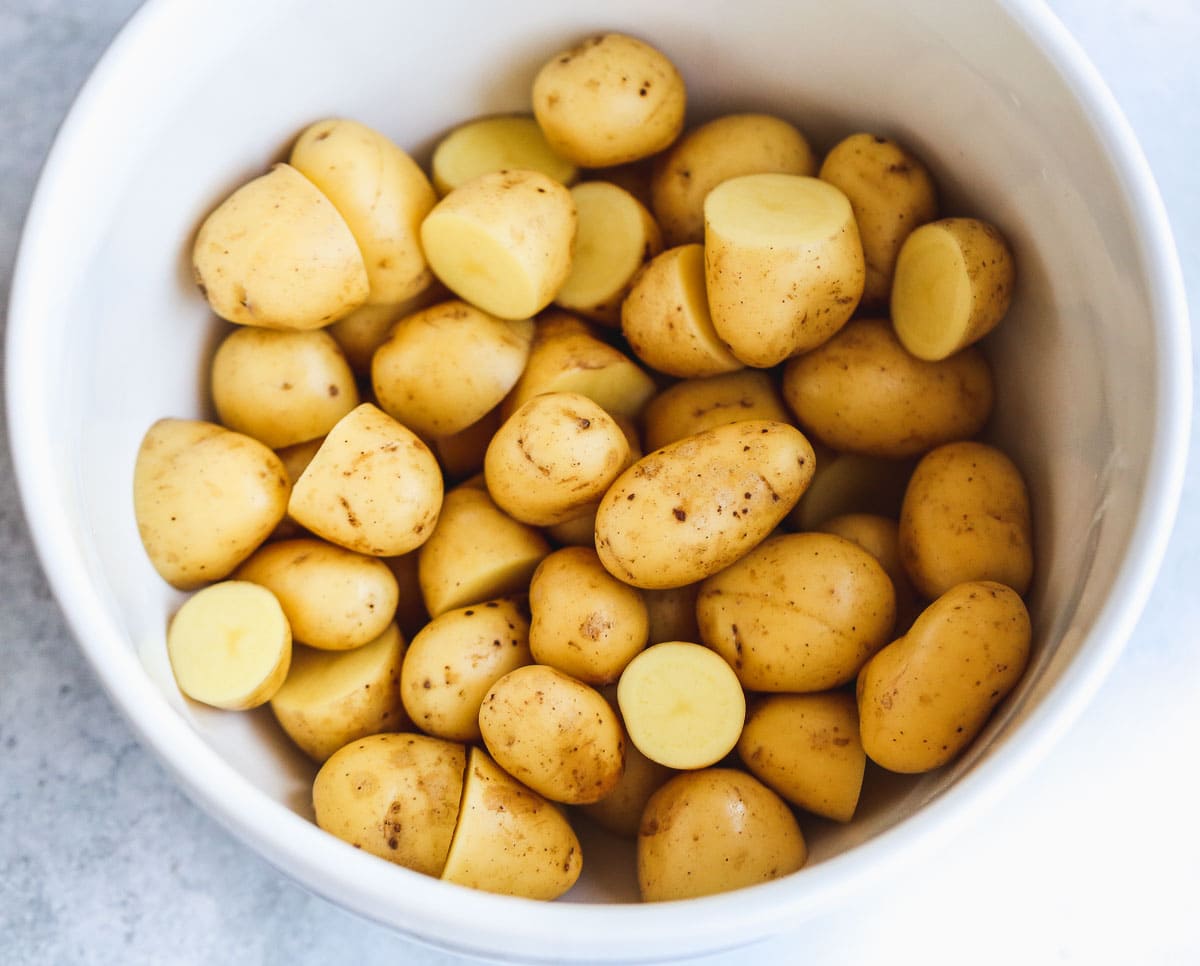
point(880, 537)
point(861, 392)
point(694, 405)
point(362, 331)
point(966, 517)
point(801, 612)
point(924, 697)
point(694, 507)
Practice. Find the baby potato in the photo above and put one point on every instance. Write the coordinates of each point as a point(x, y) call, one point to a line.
point(448, 366)
point(381, 192)
point(924, 697)
point(554, 458)
point(783, 264)
point(620, 811)
point(454, 660)
point(204, 498)
point(365, 329)
point(509, 839)
point(502, 143)
point(801, 612)
point(282, 388)
point(891, 193)
point(954, 283)
point(610, 100)
point(806, 748)
point(724, 148)
point(393, 795)
point(230, 646)
point(666, 321)
point(554, 734)
point(880, 537)
point(277, 254)
point(966, 517)
point(334, 599)
point(615, 237)
point(694, 405)
point(714, 831)
point(851, 483)
point(502, 241)
point(862, 392)
point(692, 508)
point(477, 552)
point(373, 486)
point(672, 613)
point(331, 698)
point(585, 622)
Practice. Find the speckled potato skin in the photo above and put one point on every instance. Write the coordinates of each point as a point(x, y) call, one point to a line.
point(965, 517)
point(373, 487)
point(692, 508)
point(509, 839)
point(801, 612)
point(861, 392)
point(554, 734)
point(204, 498)
point(891, 193)
point(610, 100)
point(334, 599)
point(925, 696)
point(715, 830)
point(454, 660)
point(393, 795)
point(694, 405)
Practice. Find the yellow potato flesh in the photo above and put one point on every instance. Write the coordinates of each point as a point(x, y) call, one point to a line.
point(932, 295)
point(496, 144)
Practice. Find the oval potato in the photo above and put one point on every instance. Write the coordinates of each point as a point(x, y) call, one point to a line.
point(694, 405)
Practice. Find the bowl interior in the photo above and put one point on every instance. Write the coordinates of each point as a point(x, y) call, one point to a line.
point(109, 334)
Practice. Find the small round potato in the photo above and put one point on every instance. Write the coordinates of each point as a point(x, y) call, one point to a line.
point(694, 405)
point(448, 366)
point(333, 698)
point(502, 143)
point(509, 839)
point(554, 734)
point(554, 458)
point(282, 388)
point(880, 537)
point(610, 100)
point(724, 148)
point(454, 660)
point(713, 831)
point(334, 599)
point(585, 622)
point(966, 517)
point(924, 697)
point(862, 392)
point(393, 795)
point(801, 612)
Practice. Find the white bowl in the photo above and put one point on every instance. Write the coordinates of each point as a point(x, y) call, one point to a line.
point(107, 334)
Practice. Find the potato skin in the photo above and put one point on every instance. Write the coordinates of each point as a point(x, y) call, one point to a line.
point(694, 405)
point(801, 612)
point(713, 831)
point(620, 811)
point(861, 392)
point(692, 508)
point(925, 696)
point(966, 517)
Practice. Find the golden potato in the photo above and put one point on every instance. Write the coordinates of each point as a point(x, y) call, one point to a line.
point(862, 392)
point(966, 517)
point(277, 254)
point(801, 612)
point(694, 507)
point(851, 483)
point(880, 537)
point(334, 599)
point(783, 264)
point(331, 698)
point(554, 734)
point(891, 193)
point(204, 498)
point(713, 831)
point(503, 143)
point(610, 100)
point(454, 660)
point(366, 328)
point(620, 811)
point(447, 366)
point(924, 697)
point(724, 148)
point(694, 405)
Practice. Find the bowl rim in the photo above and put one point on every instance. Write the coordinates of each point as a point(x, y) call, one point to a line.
point(433, 910)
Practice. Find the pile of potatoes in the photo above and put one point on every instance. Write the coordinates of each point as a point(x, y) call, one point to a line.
point(607, 469)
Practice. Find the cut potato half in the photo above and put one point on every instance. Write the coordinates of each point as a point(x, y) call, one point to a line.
point(496, 144)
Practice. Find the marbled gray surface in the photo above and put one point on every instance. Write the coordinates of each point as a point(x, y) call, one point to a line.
point(1094, 859)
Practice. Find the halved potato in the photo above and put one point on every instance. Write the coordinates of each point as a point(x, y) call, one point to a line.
point(502, 143)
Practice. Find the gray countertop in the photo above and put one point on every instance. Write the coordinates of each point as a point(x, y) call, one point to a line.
point(1095, 858)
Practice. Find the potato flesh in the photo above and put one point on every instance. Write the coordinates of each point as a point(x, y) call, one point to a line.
point(230, 646)
point(496, 144)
